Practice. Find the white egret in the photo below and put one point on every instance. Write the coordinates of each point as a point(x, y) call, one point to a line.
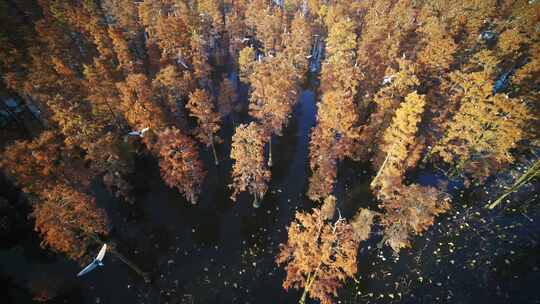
point(98, 261)
point(139, 133)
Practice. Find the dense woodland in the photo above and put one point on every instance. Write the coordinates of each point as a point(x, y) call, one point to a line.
point(402, 84)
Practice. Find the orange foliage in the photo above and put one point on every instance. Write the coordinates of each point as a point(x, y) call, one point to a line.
point(173, 87)
point(399, 141)
point(319, 254)
point(137, 103)
point(227, 98)
point(69, 221)
point(209, 122)
point(246, 63)
point(249, 171)
point(201, 107)
point(179, 163)
point(411, 212)
point(331, 139)
point(323, 164)
point(40, 164)
point(485, 127)
point(273, 94)
point(267, 22)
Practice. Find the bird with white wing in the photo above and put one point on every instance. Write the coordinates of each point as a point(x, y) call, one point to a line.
point(98, 261)
point(139, 133)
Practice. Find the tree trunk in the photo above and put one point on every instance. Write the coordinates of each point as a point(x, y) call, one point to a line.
point(529, 175)
point(113, 115)
point(256, 202)
point(380, 169)
point(270, 152)
point(306, 289)
point(311, 278)
point(216, 160)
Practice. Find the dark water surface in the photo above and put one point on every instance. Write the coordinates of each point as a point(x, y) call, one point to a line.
point(223, 252)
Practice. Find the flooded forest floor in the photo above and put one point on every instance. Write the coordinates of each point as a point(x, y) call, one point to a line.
point(223, 252)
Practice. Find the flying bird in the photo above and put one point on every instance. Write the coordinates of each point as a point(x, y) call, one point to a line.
point(387, 79)
point(96, 262)
point(139, 133)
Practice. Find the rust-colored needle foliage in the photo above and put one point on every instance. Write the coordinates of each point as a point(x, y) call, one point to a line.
point(246, 62)
point(484, 129)
point(39, 164)
point(332, 137)
point(69, 221)
point(323, 163)
point(249, 169)
point(179, 163)
point(411, 212)
point(319, 254)
point(361, 223)
point(137, 104)
point(201, 107)
point(399, 141)
point(273, 94)
point(227, 98)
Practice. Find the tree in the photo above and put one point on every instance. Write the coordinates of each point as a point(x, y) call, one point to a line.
point(386, 26)
point(298, 43)
point(439, 46)
point(267, 23)
point(53, 83)
point(68, 220)
point(411, 212)
point(320, 254)
point(485, 128)
point(399, 140)
point(246, 62)
point(249, 171)
point(201, 107)
point(89, 20)
point(100, 83)
point(179, 163)
point(410, 209)
point(273, 95)
point(213, 10)
point(235, 26)
point(173, 87)
point(402, 81)
point(333, 136)
point(199, 59)
point(323, 164)
point(149, 13)
point(172, 36)
point(124, 14)
point(227, 99)
point(138, 105)
point(126, 60)
point(41, 163)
